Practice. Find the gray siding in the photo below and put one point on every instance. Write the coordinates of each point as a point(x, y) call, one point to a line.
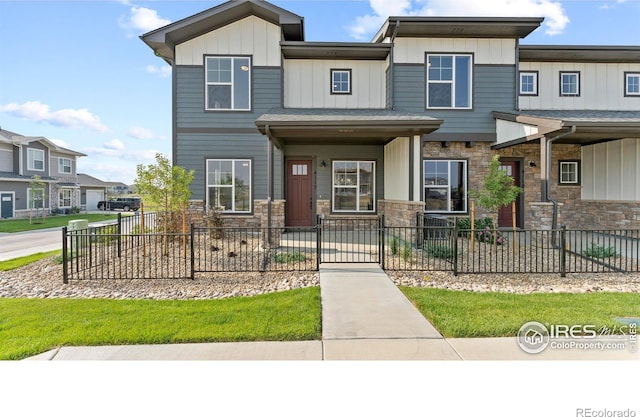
point(25, 160)
point(6, 159)
point(387, 83)
point(20, 189)
point(493, 89)
point(329, 153)
point(204, 134)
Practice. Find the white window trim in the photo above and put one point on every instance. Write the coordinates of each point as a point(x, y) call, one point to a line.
point(62, 165)
point(356, 187)
point(628, 75)
point(534, 74)
point(452, 82)
point(30, 163)
point(232, 185)
point(577, 171)
point(60, 191)
point(448, 186)
point(232, 84)
point(341, 71)
point(562, 92)
point(44, 198)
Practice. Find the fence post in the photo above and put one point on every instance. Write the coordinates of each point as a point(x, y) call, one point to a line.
point(563, 251)
point(318, 242)
point(454, 238)
point(119, 234)
point(381, 237)
point(192, 250)
point(65, 258)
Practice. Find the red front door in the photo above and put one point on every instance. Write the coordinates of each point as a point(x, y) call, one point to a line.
point(299, 197)
point(505, 214)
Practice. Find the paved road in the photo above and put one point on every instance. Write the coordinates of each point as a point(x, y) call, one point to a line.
point(15, 245)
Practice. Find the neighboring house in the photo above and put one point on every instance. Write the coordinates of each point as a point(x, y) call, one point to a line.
point(279, 130)
point(92, 191)
point(118, 188)
point(23, 157)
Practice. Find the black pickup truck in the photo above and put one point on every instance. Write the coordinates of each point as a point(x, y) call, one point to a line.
point(121, 203)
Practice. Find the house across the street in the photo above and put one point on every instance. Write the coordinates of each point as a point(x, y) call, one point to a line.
point(279, 130)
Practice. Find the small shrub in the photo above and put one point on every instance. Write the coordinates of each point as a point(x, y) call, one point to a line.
point(289, 257)
point(600, 252)
point(394, 245)
point(75, 209)
point(55, 211)
point(440, 251)
point(491, 236)
point(137, 230)
point(406, 252)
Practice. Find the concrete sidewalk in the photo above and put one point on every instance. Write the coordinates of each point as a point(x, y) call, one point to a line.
point(364, 317)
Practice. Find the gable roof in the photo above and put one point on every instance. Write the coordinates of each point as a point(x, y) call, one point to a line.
point(164, 39)
point(17, 139)
point(85, 180)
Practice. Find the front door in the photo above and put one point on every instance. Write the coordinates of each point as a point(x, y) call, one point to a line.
point(299, 193)
point(505, 214)
point(6, 205)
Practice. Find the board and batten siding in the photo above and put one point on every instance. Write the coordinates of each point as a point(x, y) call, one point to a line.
point(308, 84)
point(485, 51)
point(602, 87)
point(204, 134)
point(248, 36)
point(493, 89)
point(396, 169)
point(611, 171)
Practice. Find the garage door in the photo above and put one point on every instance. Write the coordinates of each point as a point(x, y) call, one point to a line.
point(93, 196)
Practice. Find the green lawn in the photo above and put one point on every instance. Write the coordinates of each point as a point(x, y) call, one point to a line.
point(26, 260)
point(32, 326)
point(22, 225)
point(473, 314)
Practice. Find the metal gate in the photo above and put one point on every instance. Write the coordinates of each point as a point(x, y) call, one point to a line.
point(350, 239)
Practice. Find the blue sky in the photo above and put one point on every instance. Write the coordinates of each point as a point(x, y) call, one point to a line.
point(77, 73)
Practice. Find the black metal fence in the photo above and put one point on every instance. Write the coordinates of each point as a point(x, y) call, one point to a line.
point(133, 248)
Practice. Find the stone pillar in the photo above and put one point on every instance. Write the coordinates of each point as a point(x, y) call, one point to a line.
point(402, 215)
point(271, 237)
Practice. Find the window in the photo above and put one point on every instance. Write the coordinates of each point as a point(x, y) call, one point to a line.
point(632, 84)
point(228, 83)
point(64, 198)
point(35, 159)
point(449, 81)
point(229, 185)
point(340, 81)
point(354, 186)
point(445, 186)
point(569, 172)
point(64, 165)
point(35, 198)
point(529, 83)
point(570, 84)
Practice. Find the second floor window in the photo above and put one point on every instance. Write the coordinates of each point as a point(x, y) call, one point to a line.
point(528, 83)
point(632, 84)
point(570, 84)
point(228, 83)
point(449, 81)
point(340, 81)
point(64, 165)
point(35, 159)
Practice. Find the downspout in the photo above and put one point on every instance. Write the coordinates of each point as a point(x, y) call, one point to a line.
point(554, 221)
point(391, 65)
point(269, 178)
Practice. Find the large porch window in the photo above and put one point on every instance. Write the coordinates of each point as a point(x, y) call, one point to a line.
point(64, 197)
point(354, 186)
point(445, 186)
point(229, 185)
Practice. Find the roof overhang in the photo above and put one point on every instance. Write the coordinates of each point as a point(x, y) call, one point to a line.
point(335, 50)
point(591, 126)
point(343, 126)
point(164, 39)
point(579, 53)
point(458, 27)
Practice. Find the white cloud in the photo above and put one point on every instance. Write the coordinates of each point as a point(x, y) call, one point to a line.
point(39, 112)
point(555, 18)
point(142, 133)
point(142, 19)
point(61, 143)
point(163, 71)
point(111, 150)
point(115, 144)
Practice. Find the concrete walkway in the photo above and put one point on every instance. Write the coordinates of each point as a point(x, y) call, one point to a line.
point(364, 317)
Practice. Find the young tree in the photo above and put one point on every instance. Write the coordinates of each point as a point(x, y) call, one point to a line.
point(165, 187)
point(36, 197)
point(497, 191)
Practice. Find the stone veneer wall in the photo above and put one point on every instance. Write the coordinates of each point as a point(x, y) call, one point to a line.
point(613, 215)
point(259, 217)
point(400, 213)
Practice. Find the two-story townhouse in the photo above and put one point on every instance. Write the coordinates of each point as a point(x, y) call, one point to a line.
point(279, 130)
point(21, 159)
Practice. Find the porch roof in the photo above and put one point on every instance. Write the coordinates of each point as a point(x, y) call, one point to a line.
point(10, 176)
point(343, 125)
point(592, 126)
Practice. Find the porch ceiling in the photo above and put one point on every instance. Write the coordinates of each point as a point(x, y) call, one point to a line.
point(592, 126)
point(343, 126)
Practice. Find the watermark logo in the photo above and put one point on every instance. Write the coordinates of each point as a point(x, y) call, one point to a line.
point(533, 337)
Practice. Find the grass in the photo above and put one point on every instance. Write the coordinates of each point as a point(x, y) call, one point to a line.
point(473, 314)
point(22, 225)
point(26, 260)
point(32, 326)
